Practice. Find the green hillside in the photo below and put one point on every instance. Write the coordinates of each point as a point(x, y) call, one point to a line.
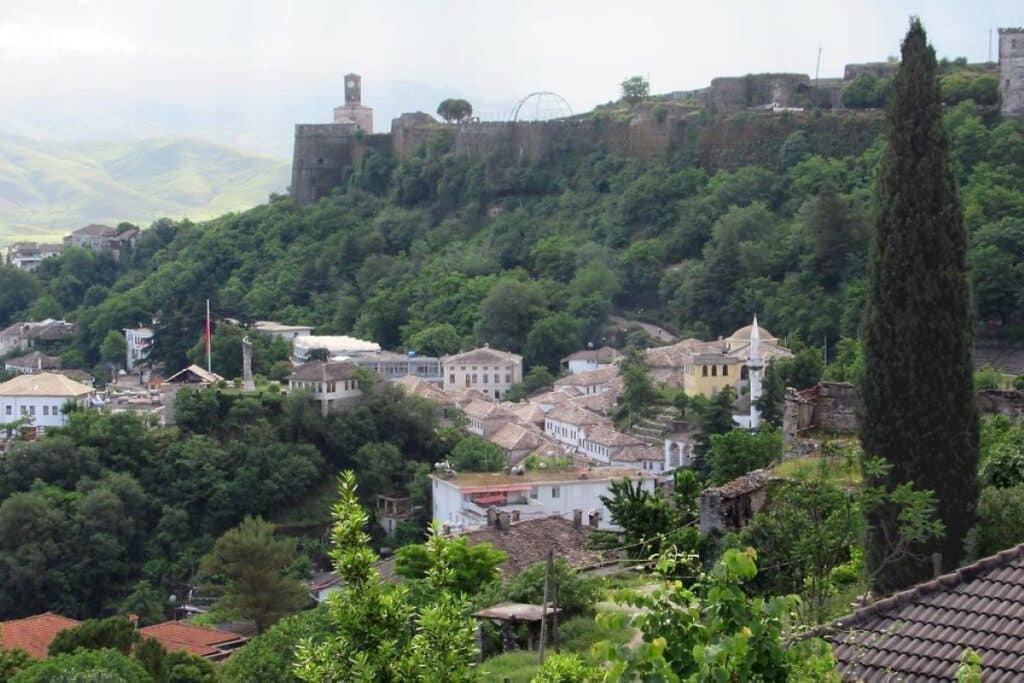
point(48, 188)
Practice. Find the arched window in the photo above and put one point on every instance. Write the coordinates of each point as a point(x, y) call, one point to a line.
point(704, 370)
point(714, 371)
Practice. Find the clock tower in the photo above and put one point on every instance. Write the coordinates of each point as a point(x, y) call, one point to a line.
point(353, 89)
point(353, 114)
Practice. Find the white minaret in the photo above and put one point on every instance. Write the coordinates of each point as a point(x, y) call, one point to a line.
point(754, 368)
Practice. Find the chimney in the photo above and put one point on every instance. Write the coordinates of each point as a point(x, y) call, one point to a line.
point(492, 516)
point(594, 518)
point(577, 519)
point(504, 520)
point(515, 516)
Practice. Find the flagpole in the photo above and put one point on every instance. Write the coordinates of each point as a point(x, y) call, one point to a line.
point(208, 366)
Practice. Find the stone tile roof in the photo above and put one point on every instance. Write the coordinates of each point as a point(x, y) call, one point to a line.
point(178, 636)
point(748, 483)
point(516, 437)
point(639, 453)
point(417, 386)
point(193, 374)
point(35, 360)
point(482, 356)
point(574, 415)
point(323, 371)
point(607, 436)
point(602, 403)
point(46, 384)
point(674, 356)
point(920, 633)
point(527, 413)
point(33, 634)
point(557, 397)
point(95, 229)
point(527, 543)
point(484, 410)
point(589, 378)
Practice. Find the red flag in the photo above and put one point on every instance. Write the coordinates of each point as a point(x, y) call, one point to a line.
point(208, 336)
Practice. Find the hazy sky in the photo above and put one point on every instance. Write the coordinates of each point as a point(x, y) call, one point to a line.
point(216, 51)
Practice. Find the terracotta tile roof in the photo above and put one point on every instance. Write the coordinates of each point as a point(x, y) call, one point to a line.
point(323, 371)
point(675, 356)
point(589, 378)
point(34, 634)
point(417, 386)
point(204, 642)
point(528, 413)
point(557, 397)
point(919, 634)
point(34, 361)
point(639, 453)
point(602, 403)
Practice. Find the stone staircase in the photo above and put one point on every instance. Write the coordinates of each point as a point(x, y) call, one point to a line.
point(653, 429)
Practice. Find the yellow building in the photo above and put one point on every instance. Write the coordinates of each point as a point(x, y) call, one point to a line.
point(703, 368)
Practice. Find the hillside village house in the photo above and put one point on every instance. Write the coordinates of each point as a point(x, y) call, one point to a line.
point(332, 384)
point(22, 336)
point(394, 366)
point(590, 359)
point(649, 459)
point(705, 368)
point(463, 500)
point(28, 255)
point(34, 361)
point(603, 444)
point(41, 398)
point(485, 418)
point(487, 370)
point(336, 346)
point(567, 424)
point(595, 381)
point(517, 441)
point(103, 238)
point(286, 332)
point(139, 340)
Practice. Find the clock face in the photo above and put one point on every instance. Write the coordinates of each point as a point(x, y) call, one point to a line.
point(351, 84)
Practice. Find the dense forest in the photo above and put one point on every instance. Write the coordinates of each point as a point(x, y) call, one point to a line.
point(440, 251)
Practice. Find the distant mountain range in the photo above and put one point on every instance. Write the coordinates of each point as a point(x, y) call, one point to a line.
point(48, 188)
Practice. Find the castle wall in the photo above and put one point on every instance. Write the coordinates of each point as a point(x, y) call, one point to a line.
point(735, 93)
point(1011, 71)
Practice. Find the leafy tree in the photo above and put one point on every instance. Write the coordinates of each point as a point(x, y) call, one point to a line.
point(577, 593)
point(642, 515)
point(436, 340)
point(473, 565)
point(454, 110)
point(715, 418)
point(147, 603)
point(773, 397)
point(254, 563)
point(18, 289)
point(638, 390)
point(271, 656)
point(474, 454)
point(536, 379)
point(550, 339)
point(114, 348)
point(635, 88)
point(710, 630)
point(738, 451)
point(85, 666)
point(11, 662)
point(919, 410)
point(116, 633)
point(375, 633)
point(1000, 520)
point(508, 314)
point(801, 371)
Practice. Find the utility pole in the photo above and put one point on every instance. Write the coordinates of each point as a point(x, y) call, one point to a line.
point(544, 604)
point(990, 46)
point(817, 67)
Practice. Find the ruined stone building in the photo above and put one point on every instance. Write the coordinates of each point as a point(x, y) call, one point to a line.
point(1011, 71)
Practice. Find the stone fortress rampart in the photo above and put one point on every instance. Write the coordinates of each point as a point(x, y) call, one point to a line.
point(735, 121)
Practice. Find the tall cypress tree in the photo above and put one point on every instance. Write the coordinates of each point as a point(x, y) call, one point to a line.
point(919, 409)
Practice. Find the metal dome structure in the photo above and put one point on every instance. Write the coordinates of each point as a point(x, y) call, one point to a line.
point(541, 106)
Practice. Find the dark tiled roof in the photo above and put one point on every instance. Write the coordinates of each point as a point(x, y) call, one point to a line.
point(527, 543)
point(320, 371)
point(919, 634)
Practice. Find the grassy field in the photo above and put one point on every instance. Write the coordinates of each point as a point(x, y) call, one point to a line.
point(49, 188)
point(835, 469)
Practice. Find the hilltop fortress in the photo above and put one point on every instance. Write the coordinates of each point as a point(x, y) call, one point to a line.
point(733, 122)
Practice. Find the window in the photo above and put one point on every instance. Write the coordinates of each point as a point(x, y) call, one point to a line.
point(32, 411)
point(46, 410)
point(714, 371)
point(24, 411)
point(725, 371)
point(467, 380)
point(556, 491)
point(8, 410)
point(474, 379)
point(487, 379)
point(508, 378)
point(533, 492)
point(705, 370)
point(451, 379)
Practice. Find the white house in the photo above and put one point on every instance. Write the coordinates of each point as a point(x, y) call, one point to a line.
point(462, 499)
point(487, 370)
point(394, 366)
point(332, 384)
point(566, 423)
point(603, 444)
point(590, 359)
point(33, 361)
point(645, 458)
point(595, 381)
point(286, 332)
point(139, 340)
point(485, 418)
point(41, 398)
point(337, 346)
point(28, 255)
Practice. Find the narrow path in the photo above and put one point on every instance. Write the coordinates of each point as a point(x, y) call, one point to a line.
point(653, 330)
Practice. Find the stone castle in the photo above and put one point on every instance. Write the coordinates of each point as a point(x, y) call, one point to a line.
point(678, 125)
